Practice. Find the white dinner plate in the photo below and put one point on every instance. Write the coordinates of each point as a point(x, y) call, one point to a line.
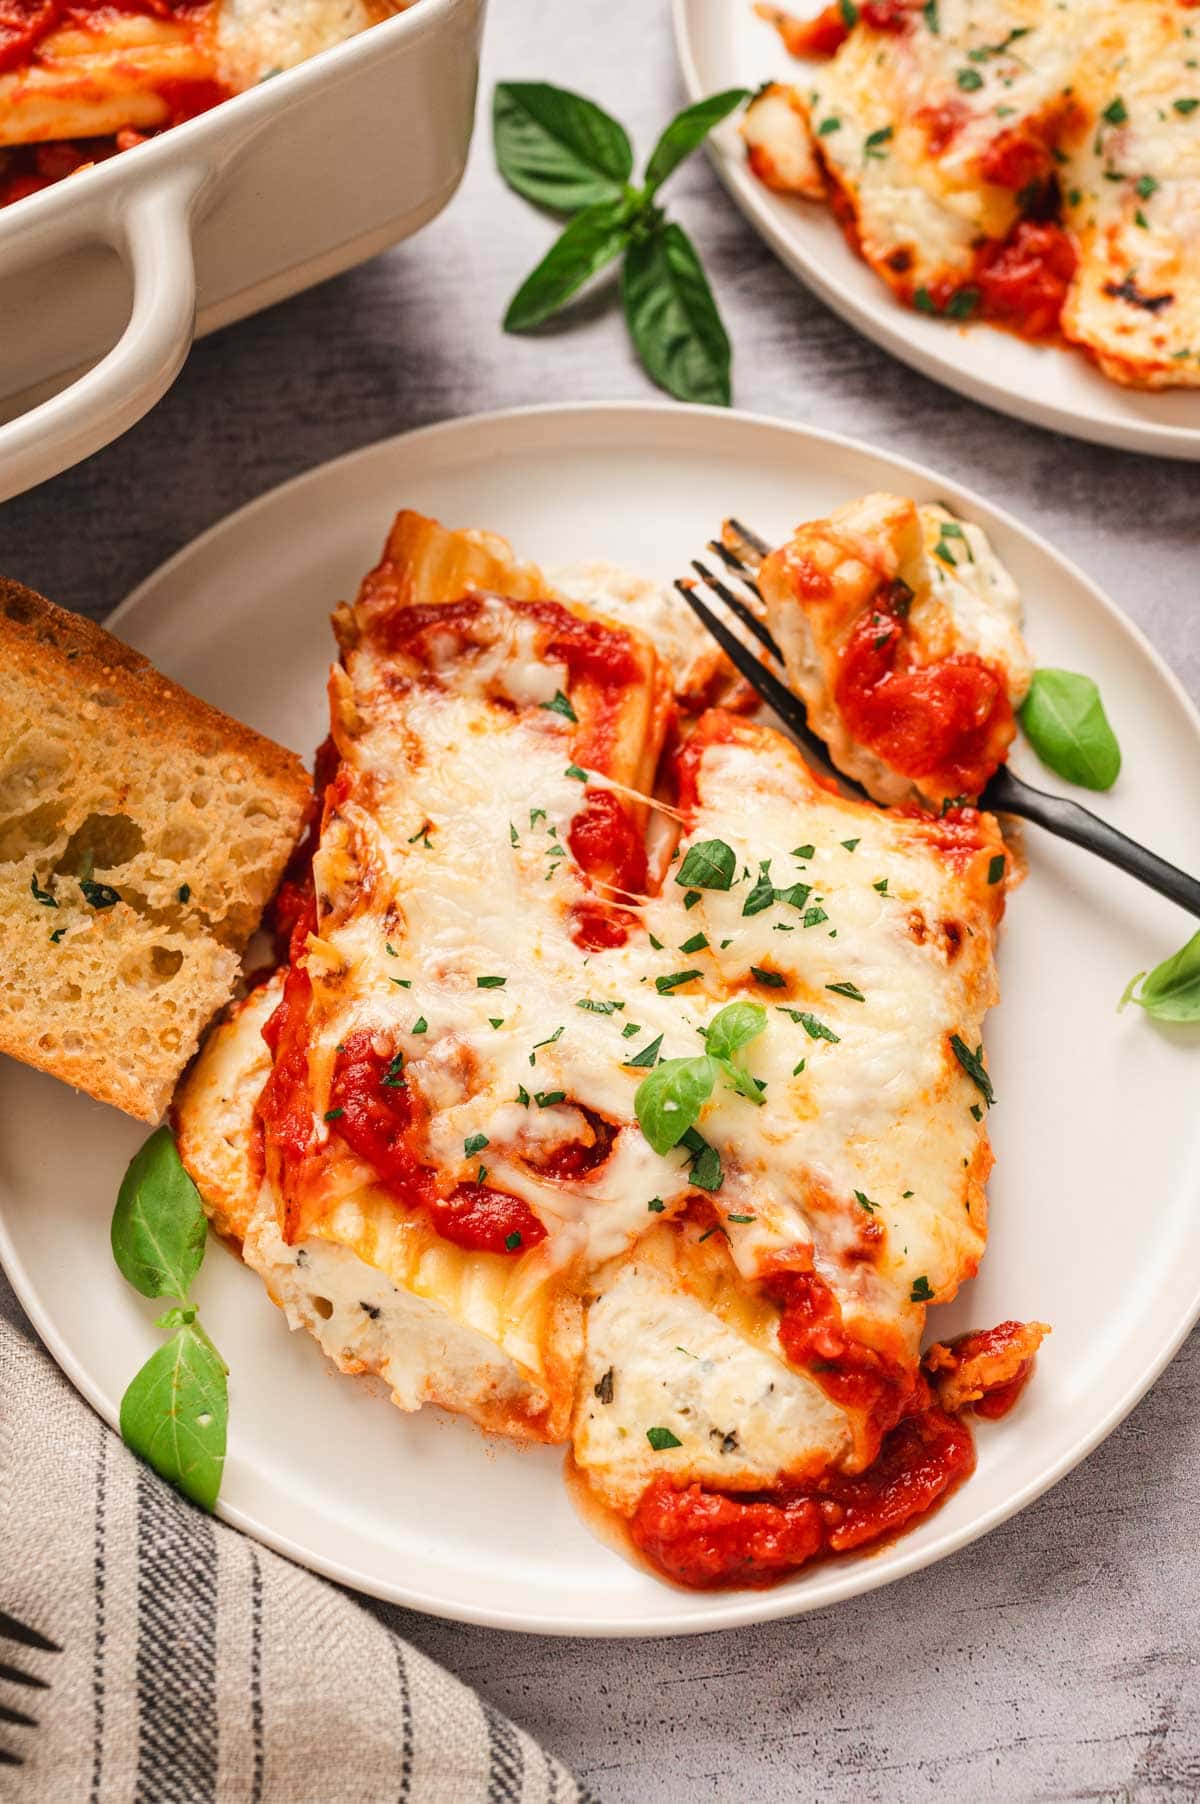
point(723, 44)
point(1095, 1226)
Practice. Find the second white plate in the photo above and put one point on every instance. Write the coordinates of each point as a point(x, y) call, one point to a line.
point(722, 44)
point(1094, 1219)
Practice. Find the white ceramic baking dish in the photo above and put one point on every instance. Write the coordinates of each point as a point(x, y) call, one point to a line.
point(106, 277)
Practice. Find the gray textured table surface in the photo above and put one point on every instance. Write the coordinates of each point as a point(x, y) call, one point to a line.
point(1057, 1659)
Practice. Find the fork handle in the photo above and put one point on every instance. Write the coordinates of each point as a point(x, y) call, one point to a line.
point(1068, 820)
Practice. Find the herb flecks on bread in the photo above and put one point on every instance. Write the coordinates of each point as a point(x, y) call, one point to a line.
point(142, 833)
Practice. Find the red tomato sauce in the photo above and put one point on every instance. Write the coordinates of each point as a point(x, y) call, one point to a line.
point(986, 1348)
point(485, 1220)
point(825, 35)
point(1022, 280)
point(705, 1538)
point(950, 721)
point(815, 1339)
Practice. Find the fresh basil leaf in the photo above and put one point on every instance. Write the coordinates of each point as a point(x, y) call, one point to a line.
point(1171, 992)
point(668, 1102)
point(687, 132)
point(593, 238)
point(673, 318)
point(176, 1411)
point(1065, 722)
point(709, 864)
point(742, 1081)
point(556, 148)
point(158, 1225)
point(733, 1027)
point(764, 892)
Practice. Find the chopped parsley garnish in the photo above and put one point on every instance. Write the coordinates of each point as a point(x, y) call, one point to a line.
point(827, 126)
point(647, 1056)
point(656, 1205)
point(850, 844)
point(849, 13)
point(816, 1030)
point(523, 1096)
point(814, 916)
point(923, 301)
point(546, 1099)
point(969, 80)
point(57, 935)
point(41, 895)
point(474, 1143)
point(536, 815)
point(538, 1044)
point(401, 983)
point(797, 1069)
point(599, 1008)
point(929, 12)
point(184, 893)
point(390, 949)
point(560, 705)
point(573, 770)
point(697, 943)
point(982, 54)
point(741, 1218)
point(691, 899)
point(774, 980)
point(1116, 112)
point(763, 893)
point(922, 1290)
point(512, 1241)
point(705, 1170)
point(603, 1388)
point(392, 1078)
point(662, 1438)
point(803, 851)
point(996, 868)
point(630, 1028)
point(972, 1064)
point(906, 1194)
point(1146, 186)
point(1186, 105)
point(846, 989)
point(864, 1202)
point(875, 141)
point(664, 985)
point(490, 983)
point(709, 864)
point(422, 834)
point(976, 1111)
point(334, 1114)
point(419, 1026)
point(98, 895)
point(513, 835)
point(962, 303)
point(495, 1020)
point(796, 894)
point(881, 886)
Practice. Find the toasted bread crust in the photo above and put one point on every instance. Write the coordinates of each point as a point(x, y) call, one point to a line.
point(115, 782)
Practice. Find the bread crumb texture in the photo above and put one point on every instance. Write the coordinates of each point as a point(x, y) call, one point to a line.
point(142, 833)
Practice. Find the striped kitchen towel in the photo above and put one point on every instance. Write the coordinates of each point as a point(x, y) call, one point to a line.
point(199, 1668)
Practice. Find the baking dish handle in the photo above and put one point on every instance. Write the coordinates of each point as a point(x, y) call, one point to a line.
point(153, 235)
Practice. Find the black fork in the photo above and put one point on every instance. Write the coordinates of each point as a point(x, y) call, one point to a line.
point(740, 552)
point(24, 1636)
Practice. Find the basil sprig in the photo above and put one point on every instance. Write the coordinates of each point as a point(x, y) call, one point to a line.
point(1065, 722)
point(176, 1410)
point(561, 151)
point(1171, 992)
point(668, 1102)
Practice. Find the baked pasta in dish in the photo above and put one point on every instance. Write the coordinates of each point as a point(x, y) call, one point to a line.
point(1035, 163)
point(442, 1129)
point(81, 79)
